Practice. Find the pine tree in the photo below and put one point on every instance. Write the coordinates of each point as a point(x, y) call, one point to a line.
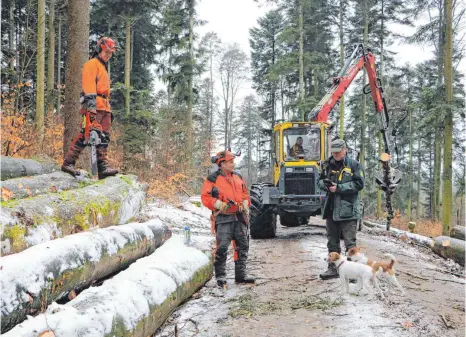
point(265, 51)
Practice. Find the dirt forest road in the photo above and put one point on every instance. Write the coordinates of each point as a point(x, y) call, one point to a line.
point(289, 299)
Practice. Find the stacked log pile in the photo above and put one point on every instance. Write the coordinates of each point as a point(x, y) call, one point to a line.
point(65, 237)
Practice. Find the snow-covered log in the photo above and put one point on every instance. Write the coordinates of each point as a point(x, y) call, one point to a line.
point(451, 248)
point(28, 222)
point(458, 232)
point(25, 187)
point(19, 167)
point(423, 240)
point(37, 276)
point(135, 302)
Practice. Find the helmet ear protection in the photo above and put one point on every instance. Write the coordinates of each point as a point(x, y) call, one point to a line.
point(215, 159)
point(98, 46)
point(105, 43)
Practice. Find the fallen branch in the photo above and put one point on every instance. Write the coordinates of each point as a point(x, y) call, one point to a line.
point(446, 280)
point(413, 275)
point(418, 284)
point(444, 319)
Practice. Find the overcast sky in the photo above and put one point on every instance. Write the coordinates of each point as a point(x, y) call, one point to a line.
point(232, 19)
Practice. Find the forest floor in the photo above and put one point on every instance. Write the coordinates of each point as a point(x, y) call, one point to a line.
point(289, 299)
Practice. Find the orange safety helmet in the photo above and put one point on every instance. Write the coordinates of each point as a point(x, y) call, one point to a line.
point(107, 44)
point(224, 156)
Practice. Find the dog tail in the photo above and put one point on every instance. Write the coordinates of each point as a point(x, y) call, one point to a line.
point(392, 258)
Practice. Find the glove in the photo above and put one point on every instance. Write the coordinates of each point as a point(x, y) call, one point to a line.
point(245, 207)
point(221, 206)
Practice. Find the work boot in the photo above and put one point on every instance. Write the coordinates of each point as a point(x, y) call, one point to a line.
point(330, 273)
point(241, 276)
point(245, 279)
point(69, 168)
point(102, 163)
point(72, 156)
point(221, 282)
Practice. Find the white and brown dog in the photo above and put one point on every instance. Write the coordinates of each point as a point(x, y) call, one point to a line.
point(380, 268)
point(353, 270)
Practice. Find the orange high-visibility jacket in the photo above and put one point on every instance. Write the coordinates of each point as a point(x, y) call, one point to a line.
point(230, 186)
point(95, 81)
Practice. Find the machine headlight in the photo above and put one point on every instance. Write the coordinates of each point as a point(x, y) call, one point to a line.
point(289, 169)
point(309, 169)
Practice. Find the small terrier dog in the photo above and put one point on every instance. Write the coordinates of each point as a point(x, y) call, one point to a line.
point(385, 269)
point(352, 270)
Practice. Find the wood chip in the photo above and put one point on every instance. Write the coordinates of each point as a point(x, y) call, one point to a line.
point(47, 333)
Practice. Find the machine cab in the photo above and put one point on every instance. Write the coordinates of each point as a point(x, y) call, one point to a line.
point(299, 147)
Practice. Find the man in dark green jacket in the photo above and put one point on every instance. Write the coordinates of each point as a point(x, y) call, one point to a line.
point(342, 178)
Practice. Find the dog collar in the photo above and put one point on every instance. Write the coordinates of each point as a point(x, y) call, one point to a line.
point(340, 264)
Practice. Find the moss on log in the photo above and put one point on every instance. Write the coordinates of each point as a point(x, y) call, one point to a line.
point(133, 303)
point(27, 222)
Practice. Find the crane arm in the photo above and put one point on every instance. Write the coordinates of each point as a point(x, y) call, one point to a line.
point(363, 58)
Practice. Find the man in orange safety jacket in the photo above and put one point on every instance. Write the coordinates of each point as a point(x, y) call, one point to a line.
point(95, 108)
point(225, 193)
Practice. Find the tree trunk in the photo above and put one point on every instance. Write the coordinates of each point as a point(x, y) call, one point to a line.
point(450, 248)
point(59, 67)
point(128, 65)
point(51, 60)
point(447, 160)
point(19, 167)
point(50, 271)
point(380, 145)
point(28, 222)
point(438, 126)
point(32, 186)
point(410, 164)
point(301, 59)
point(437, 170)
point(363, 110)
point(342, 62)
point(39, 122)
point(77, 47)
point(458, 232)
point(211, 117)
point(157, 284)
point(419, 169)
point(190, 83)
point(12, 36)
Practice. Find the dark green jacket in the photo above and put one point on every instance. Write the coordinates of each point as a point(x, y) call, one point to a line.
point(349, 180)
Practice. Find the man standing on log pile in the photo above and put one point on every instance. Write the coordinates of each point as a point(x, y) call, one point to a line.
point(342, 178)
point(226, 194)
point(95, 108)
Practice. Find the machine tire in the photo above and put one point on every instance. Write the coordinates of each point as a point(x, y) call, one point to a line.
point(289, 220)
point(262, 220)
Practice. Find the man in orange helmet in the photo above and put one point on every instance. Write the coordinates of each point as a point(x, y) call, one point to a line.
point(226, 194)
point(95, 108)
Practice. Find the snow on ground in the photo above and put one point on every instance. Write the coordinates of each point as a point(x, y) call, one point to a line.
point(128, 296)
